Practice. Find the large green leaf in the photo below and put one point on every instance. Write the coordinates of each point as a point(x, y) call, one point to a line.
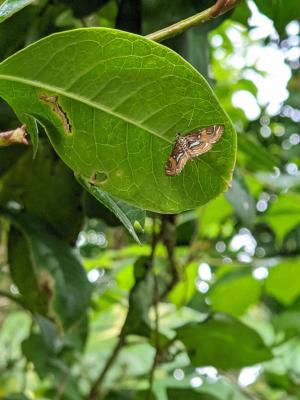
point(223, 342)
point(46, 271)
point(9, 7)
point(121, 99)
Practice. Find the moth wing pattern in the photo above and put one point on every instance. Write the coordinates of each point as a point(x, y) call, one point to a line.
point(212, 133)
point(183, 159)
point(177, 160)
point(201, 142)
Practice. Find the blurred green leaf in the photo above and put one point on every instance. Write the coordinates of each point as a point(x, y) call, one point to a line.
point(140, 300)
point(9, 157)
point(288, 322)
point(185, 289)
point(188, 394)
point(15, 327)
point(130, 395)
point(283, 281)
point(284, 214)
point(160, 13)
point(282, 182)
point(254, 155)
point(281, 12)
point(234, 292)
point(10, 7)
point(224, 342)
point(241, 13)
point(46, 271)
point(82, 8)
point(16, 29)
point(43, 359)
point(241, 200)
point(15, 396)
point(45, 187)
point(213, 215)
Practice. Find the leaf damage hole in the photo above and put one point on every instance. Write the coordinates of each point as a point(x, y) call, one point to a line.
point(57, 109)
point(98, 178)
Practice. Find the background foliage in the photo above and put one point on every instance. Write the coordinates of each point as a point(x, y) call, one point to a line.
point(208, 306)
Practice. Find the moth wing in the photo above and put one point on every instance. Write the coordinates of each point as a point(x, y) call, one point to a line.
point(211, 134)
point(198, 149)
point(202, 141)
point(181, 161)
point(177, 149)
point(177, 159)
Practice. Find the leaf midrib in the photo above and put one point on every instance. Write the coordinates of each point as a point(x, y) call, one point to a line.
point(78, 98)
point(90, 103)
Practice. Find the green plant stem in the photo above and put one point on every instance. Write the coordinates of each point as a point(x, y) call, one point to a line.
point(181, 26)
point(219, 8)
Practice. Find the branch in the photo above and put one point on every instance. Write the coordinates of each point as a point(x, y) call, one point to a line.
point(157, 343)
point(221, 7)
point(16, 299)
point(96, 386)
point(12, 137)
point(168, 237)
point(93, 394)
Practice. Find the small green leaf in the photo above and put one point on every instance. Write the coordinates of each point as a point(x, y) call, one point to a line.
point(46, 271)
point(10, 7)
point(224, 342)
point(112, 103)
point(125, 212)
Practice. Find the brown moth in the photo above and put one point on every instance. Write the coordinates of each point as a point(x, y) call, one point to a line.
point(190, 146)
